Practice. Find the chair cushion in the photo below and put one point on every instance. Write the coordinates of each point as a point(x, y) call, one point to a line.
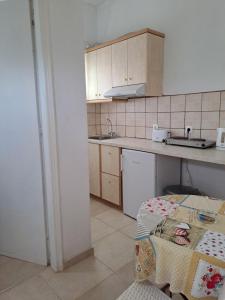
point(143, 291)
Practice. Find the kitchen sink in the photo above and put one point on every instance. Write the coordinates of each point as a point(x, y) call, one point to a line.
point(102, 137)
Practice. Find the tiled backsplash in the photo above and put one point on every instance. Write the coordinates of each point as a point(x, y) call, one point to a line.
point(204, 112)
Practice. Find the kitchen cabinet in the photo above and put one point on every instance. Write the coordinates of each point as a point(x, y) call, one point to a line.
point(119, 64)
point(111, 174)
point(111, 189)
point(135, 58)
point(105, 173)
point(110, 158)
point(98, 69)
point(94, 169)
point(104, 70)
point(91, 75)
point(137, 52)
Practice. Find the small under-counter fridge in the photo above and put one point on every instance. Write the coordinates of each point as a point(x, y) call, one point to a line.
point(145, 175)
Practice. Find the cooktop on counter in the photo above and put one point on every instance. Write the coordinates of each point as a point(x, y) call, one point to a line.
point(190, 142)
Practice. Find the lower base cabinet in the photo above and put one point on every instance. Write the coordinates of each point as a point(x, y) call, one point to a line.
point(111, 188)
point(94, 169)
point(104, 173)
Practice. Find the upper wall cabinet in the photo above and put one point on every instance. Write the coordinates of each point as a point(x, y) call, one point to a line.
point(135, 58)
point(98, 66)
point(91, 75)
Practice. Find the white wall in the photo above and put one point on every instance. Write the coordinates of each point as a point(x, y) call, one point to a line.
point(22, 222)
point(90, 25)
point(68, 82)
point(194, 45)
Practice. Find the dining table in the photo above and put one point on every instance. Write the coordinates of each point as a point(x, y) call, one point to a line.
point(180, 241)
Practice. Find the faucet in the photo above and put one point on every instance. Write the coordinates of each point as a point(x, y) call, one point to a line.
point(109, 124)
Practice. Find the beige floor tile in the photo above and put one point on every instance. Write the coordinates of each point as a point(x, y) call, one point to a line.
point(35, 288)
point(98, 208)
point(115, 250)
point(113, 286)
point(115, 219)
point(99, 229)
point(130, 230)
point(4, 259)
point(78, 279)
point(4, 296)
point(16, 271)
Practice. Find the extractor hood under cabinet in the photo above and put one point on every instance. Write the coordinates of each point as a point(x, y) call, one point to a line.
point(130, 66)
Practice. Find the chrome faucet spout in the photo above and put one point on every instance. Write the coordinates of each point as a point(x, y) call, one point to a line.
point(109, 124)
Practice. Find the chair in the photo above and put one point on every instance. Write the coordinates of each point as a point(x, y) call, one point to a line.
point(143, 291)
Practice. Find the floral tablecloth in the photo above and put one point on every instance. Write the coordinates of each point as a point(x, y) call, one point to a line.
point(196, 269)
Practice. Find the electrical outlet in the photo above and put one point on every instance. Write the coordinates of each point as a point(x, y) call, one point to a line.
point(188, 130)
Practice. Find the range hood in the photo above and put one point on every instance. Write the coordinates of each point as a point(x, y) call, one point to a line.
point(127, 91)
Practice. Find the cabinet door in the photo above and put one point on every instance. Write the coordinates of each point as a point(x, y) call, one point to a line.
point(137, 59)
point(91, 75)
point(110, 160)
point(104, 70)
point(94, 169)
point(111, 188)
point(119, 64)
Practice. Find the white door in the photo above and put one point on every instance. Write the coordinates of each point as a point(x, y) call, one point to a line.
point(22, 221)
point(138, 180)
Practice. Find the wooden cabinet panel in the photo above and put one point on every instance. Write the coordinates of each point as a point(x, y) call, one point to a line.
point(137, 59)
point(94, 169)
point(91, 75)
point(119, 64)
point(110, 159)
point(111, 188)
point(104, 70)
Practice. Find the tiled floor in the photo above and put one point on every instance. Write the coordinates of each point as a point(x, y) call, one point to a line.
point(103, 277)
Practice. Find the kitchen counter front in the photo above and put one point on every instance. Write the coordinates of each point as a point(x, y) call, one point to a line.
point(210, 155)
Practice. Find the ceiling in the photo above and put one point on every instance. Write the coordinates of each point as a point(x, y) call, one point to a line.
point(94, 2)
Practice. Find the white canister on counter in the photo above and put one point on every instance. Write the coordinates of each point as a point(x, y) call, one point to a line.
point(220, 141)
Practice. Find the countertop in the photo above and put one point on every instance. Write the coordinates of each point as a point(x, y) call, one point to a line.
point(210, 155)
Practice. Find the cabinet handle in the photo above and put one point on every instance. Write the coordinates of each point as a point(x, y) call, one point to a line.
point(130, 78)
point(125, 79)
point(110, 153)
point(99, 94)
point(96, 95)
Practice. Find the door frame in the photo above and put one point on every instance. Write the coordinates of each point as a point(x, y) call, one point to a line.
point(48, 130)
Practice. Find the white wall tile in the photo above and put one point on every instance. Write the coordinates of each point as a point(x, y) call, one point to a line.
point(130, 131)
point(140, 132)
point(210, 120)
point(211, 101)
point(121, 119)
point(130, 119)
point(151, 119)
point(222, 119)
point(208, 134)
point(178, 103)
point(140, 119)
point(164, 120)
point(177, 120)
point(193, 119)
point(164, 104)
point(151, 104)
point(194, 102)
point(140, 105)
point(120, 106)
point(130, 106)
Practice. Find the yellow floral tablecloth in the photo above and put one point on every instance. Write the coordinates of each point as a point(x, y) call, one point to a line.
point(197, 270)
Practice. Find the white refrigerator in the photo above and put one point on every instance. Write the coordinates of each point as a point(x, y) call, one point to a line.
point(144, 176)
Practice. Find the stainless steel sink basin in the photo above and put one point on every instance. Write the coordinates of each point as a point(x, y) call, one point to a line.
point(101, 137)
